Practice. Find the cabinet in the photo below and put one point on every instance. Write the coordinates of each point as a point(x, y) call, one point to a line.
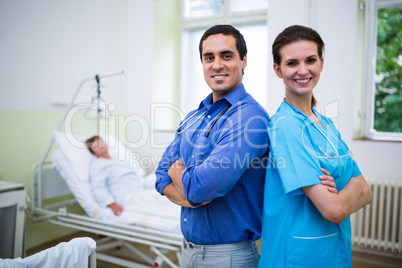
point(12, 220)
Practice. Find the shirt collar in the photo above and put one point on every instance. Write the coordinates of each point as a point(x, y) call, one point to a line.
point(233, 97)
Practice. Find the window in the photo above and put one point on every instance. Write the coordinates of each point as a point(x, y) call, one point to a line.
point(383, 70)
point(250, 18)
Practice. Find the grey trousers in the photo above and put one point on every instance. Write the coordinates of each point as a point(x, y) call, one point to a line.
point(243, 254)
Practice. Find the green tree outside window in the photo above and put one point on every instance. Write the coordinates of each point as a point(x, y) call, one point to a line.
point(388, 95)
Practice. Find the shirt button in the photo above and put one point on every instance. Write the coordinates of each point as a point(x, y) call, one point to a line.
point(192, 156)
point(184, 219)
point(208, 116)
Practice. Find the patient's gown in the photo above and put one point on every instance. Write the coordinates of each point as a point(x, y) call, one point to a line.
point(142, 204)
point(112, 180)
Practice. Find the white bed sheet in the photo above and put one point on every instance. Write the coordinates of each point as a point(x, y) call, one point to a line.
point(66, 254)
point(145, 207)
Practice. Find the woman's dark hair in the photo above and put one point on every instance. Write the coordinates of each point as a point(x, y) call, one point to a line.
point(293, 34)
point(226, 29)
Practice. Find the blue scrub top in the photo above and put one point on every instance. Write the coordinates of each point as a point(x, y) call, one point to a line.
point(294, 233)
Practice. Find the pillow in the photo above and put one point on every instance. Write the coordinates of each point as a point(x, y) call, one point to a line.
point(76, 153)
point(80, 188)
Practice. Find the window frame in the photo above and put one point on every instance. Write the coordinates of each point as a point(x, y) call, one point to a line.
point(227, 17)
point(369, 69)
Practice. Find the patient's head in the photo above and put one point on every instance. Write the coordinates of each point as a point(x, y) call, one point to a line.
point(97, 147)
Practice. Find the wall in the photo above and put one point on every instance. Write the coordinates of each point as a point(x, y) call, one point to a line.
point(166, 62)
point(47, 48)
point(337, 94)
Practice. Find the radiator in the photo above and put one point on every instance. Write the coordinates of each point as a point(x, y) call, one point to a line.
point(378, 226)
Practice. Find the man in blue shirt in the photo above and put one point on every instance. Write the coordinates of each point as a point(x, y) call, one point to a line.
point(215, 166)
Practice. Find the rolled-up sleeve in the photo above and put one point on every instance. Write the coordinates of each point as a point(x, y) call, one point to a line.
point(293, 155)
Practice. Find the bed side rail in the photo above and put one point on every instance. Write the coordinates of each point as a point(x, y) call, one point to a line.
point(46, 183)
point(159, 242)
point(126, 232)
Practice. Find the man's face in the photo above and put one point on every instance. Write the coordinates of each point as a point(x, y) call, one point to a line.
point(222, 65)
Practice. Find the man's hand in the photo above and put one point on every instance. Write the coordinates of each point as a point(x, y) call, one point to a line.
point(117, 209)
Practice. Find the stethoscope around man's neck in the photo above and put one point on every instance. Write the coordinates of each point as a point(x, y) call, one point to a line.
point(180, 131)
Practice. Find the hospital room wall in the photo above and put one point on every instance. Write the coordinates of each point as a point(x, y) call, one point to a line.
point(338, 92)
point(47, 48)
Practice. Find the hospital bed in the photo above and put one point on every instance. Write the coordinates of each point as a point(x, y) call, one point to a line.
point(65, 172)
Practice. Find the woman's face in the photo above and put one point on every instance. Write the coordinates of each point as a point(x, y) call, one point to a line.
point(300, 67)
point(99, 147)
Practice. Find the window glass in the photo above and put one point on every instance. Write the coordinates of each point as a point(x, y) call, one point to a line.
point(202, 8)
point(249, 5)
point(388, 75)
point(255, 74)
point(194, 87)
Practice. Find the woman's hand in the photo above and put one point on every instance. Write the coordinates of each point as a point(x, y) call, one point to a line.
point(337, 207)
point(329, 181)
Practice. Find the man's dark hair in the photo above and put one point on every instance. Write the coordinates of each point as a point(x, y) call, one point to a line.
point(226, 29)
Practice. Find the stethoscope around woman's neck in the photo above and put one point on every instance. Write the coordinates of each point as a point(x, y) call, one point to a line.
point(332, 145)
point(319, 130)
point(180, 131)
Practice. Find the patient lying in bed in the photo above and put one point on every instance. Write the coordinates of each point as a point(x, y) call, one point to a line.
point(141, 206)
point(111, 180)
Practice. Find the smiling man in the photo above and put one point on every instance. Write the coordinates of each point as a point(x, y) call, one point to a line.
point(215, 167)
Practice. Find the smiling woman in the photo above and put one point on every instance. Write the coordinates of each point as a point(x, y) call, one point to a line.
point(302, 214)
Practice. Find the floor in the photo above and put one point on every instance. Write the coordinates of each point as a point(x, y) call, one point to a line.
point(360, 260)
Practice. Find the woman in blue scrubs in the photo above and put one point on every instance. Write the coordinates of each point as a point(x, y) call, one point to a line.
point(305, 223)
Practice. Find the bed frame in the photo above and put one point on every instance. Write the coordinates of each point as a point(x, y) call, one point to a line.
point(47, 185)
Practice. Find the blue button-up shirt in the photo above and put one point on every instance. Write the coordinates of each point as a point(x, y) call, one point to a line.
point(223, 146)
